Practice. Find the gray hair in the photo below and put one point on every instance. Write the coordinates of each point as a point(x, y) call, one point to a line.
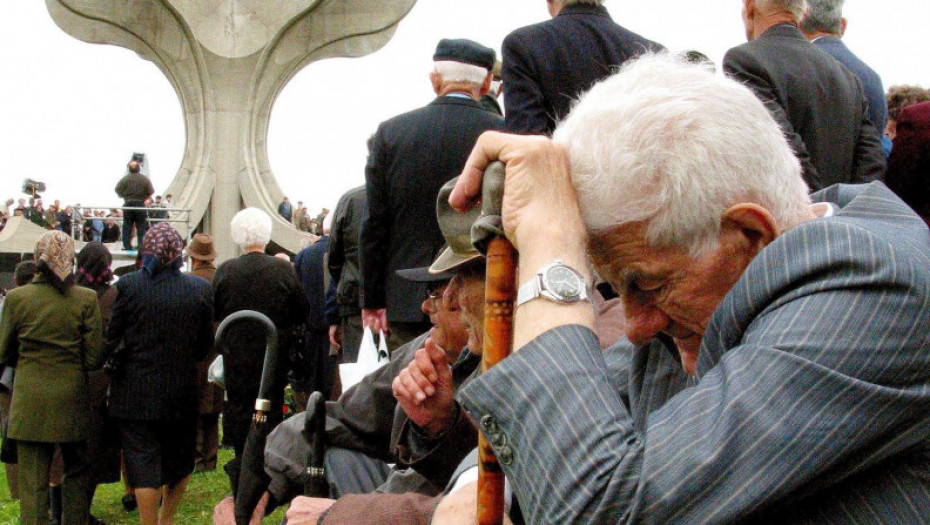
point(452, 71)
point(796, 7)
point(250, 227)
point(670, 144)
point(824, 15)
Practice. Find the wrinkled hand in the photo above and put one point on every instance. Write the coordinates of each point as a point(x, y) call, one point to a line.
point(335, 336)
point(376, 319)
point(425, 391)
point(225, 511)
point(538, 196)
point(307, 511)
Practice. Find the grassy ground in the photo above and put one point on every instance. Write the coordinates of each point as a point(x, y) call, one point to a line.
point(203, 492)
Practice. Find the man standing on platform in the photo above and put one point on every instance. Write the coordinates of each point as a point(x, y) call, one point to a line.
point(134, 188)
point(412, 155)
point(547, 65)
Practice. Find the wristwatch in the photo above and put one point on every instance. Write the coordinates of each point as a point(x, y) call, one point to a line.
point(556, 282)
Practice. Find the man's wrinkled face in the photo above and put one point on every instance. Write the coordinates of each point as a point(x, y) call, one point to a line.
point(448, 332)
point(665, 289)
point(471, 299)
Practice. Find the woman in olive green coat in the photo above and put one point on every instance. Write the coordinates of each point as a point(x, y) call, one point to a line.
point(51, 332)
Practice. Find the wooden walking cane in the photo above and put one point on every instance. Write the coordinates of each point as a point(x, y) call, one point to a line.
point(500, 290)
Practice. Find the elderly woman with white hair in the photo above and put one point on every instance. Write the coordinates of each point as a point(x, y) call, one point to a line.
point(260, 282)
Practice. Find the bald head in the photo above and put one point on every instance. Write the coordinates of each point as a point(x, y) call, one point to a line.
point(133, 167)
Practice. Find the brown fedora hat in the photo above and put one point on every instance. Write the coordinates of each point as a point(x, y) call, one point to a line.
point(201, 248)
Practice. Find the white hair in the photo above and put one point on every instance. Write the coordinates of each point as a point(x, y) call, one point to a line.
point(250, 227)
point(452, 71)
point(670, 144)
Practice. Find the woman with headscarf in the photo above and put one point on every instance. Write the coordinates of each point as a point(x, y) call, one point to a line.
point(51, 332)
point(93, 271)
point(165, 322)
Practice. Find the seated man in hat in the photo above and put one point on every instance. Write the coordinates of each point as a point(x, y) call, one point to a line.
point(803, 320)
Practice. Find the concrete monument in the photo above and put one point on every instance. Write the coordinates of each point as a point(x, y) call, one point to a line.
point(228, 60)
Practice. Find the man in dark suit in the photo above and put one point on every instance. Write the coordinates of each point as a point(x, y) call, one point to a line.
point(345, 329)
point(547, 65)
point(818, 103)
point(412, 155)
point(824, 26)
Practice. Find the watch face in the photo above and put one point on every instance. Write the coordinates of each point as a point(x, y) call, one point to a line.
point(563, 282)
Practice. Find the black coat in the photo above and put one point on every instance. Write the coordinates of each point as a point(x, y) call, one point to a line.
point(819, 104)
point(548, 65)
point(411, 157)
point(166, 326)
point(351, 210)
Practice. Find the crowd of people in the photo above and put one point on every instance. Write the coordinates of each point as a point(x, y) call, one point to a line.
point(722, 307)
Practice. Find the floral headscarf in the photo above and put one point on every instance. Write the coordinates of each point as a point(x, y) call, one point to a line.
point(162, 247)
point(93, 263)
point(56, 249)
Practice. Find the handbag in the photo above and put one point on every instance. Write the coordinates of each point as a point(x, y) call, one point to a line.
point(370, 358)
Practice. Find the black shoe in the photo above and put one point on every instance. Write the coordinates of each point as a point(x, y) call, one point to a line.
point(129, 502)
point(94, 520)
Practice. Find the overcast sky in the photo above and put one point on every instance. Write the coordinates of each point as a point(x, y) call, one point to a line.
point(72, 113)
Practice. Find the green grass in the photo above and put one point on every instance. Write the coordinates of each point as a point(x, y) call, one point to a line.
point(204, 491)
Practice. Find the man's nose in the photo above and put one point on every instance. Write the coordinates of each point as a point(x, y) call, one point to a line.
point(426, 306)
point(644, 322)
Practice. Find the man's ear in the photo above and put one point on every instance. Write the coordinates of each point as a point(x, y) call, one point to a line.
point(486, 85)
point(842, 26)
point(436, 80)
point(753, 222)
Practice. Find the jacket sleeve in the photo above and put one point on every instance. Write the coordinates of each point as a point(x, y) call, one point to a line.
point(335, 249)
point(373, 241)
point(437, 458)
point(524, 102)
point(92, 333)
point(868, 158)
point(9, 341)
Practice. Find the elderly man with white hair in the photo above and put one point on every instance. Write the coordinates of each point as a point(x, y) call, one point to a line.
point(819, 104)
point(260, 282)
point(411, 156)
point(803, 321)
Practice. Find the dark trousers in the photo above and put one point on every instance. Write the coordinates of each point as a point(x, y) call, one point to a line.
point(137, 218)
point(351, 337)
point(208, 442)
point(35, 459)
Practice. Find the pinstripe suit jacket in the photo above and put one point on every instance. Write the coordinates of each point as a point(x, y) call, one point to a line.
point(811, 405)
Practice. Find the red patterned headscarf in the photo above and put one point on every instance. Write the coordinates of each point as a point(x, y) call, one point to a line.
point(162, 247)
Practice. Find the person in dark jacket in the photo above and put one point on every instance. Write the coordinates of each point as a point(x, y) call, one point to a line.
point(548, 65)
point(412, 155)
point(135, 189)
point(164, 321)
point(345, 330)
